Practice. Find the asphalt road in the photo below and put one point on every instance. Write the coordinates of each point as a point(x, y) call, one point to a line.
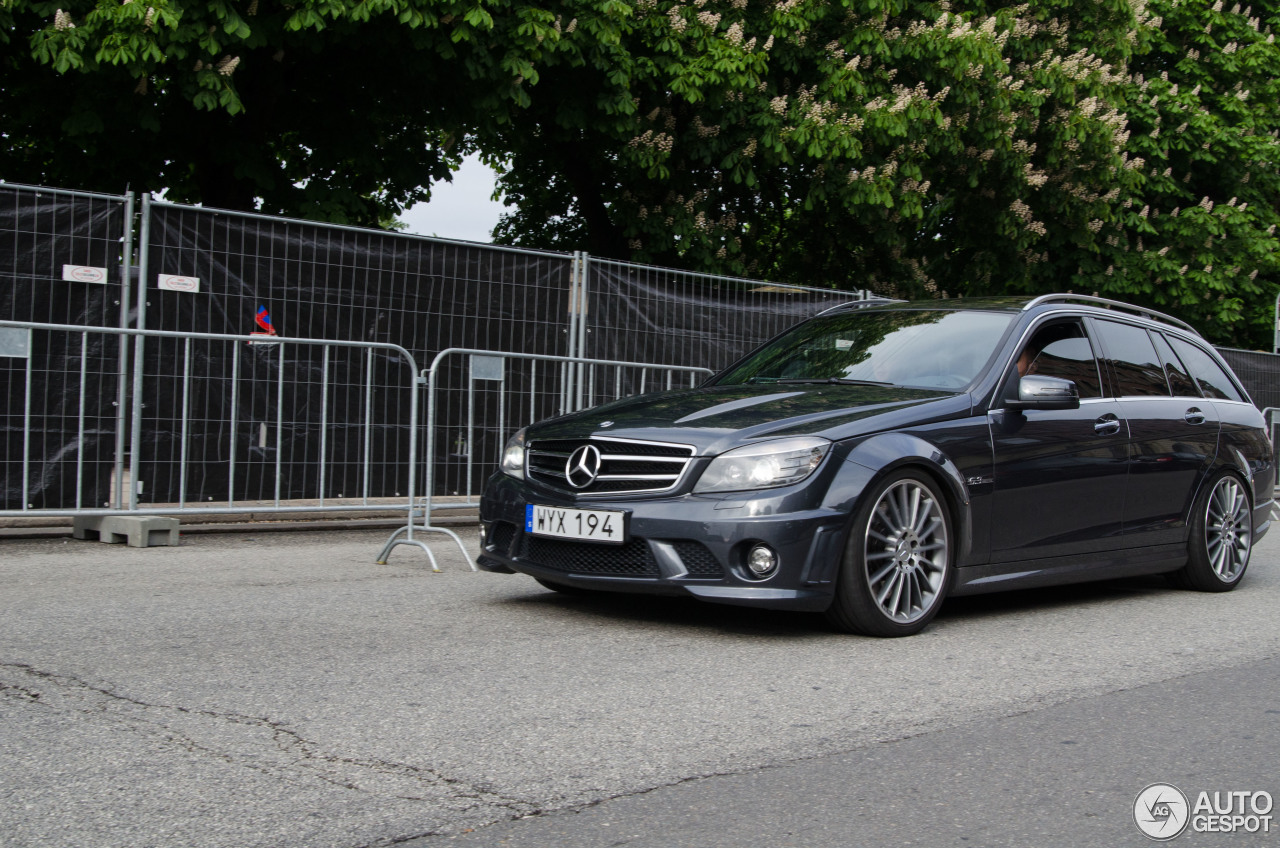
point(283, 690)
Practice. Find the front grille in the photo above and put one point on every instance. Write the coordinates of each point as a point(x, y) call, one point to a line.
point(626, 466)
point(633, 559)
point(698, 560)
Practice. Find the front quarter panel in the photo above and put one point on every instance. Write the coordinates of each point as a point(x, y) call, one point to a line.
point(957, 454)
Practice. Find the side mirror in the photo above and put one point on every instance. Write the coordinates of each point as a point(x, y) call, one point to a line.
point(1039, 392)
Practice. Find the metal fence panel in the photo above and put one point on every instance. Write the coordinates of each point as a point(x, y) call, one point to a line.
point(1260, 373)
point(502, 392)
point(59, 419)
point(325, 281)
point(64, 259)
point(648, 314)
point(63, 256)
point(227, 424)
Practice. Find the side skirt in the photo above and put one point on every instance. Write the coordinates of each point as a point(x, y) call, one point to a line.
point(1059, 571)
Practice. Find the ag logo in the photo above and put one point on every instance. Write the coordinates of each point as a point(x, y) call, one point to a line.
point(1161, 811)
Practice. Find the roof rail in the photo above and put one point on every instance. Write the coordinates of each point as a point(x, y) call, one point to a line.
point(860, 304)
point(1110, 304)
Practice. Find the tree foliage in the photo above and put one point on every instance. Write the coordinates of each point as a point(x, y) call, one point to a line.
point(329, 109)
point(916, 147)
point(922, 149)
point(1196, 235)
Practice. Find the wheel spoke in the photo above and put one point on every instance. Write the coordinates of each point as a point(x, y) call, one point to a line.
point(896, 521)
point(1219, 559)
point(882, 573)
point(897, 595)
point(913, 510)
point(888, 587)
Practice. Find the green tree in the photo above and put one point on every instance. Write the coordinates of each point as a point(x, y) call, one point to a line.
point(915, 147)
point(922, 149)
point(1196, 234)
point(330, 109)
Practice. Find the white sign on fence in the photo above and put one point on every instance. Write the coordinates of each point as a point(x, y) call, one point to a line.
point(83, 274)
point(174, 282)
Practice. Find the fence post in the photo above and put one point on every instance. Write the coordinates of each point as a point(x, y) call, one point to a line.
point(584, 266)
point(135, 423)
point(122, 375)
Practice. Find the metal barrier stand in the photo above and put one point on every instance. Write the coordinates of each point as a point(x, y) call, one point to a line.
point(481, 368)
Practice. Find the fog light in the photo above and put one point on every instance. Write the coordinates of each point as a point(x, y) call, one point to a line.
point(762, 561)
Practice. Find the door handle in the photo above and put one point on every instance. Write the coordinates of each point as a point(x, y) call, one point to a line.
point(1194, 416)
point(1107, 425)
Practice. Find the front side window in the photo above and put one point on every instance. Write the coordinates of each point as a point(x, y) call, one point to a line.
point(930, 349)
point(1062, 350)
point(1135, 366)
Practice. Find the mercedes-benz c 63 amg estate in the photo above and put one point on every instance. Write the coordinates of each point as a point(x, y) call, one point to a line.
point(870, 462)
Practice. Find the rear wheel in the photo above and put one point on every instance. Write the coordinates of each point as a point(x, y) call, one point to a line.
point(1221, 537)
point(897, 565)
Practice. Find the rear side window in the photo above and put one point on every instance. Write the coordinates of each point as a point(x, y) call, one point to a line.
point(1134, 363)
point(1207, 373)
point(1179, 379)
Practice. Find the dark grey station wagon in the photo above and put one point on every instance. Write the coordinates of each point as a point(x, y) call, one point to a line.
point(871, 461)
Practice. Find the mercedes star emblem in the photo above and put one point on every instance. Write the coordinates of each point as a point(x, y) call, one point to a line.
point(583, 466)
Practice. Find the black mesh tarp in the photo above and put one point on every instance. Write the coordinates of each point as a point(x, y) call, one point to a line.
point(324, 282)
point(72, 378)
point(1260, 373)
point(644, 314)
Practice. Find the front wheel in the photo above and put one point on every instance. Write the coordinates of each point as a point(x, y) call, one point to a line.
point(897, 565)
point(1220, 538)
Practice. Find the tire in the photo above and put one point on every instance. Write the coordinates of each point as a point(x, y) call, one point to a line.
point(565, 588)
point(899, 561)
point(1221, 537)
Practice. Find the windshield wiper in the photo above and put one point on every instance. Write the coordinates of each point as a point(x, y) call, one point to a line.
point(839, 381)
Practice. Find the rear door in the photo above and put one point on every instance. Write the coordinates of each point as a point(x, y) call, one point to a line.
point(1173, 431)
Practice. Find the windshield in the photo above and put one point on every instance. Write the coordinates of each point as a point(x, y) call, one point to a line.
point(933, 349)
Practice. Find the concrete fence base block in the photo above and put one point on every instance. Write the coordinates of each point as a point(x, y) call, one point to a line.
point(138, 531)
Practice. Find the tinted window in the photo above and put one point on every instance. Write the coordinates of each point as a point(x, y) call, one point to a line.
point(1208, 374)
point(908, 347)
point(1061, 350)
point(1179, 380)
point(1134, 364)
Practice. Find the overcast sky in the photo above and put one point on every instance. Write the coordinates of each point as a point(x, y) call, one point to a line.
point(461, 209)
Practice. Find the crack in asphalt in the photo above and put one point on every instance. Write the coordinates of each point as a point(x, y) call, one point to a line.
point(255, 743)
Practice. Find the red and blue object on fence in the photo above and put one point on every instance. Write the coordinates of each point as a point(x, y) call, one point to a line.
point(263, 319)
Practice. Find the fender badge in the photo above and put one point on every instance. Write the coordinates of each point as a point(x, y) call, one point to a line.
point(605, 424)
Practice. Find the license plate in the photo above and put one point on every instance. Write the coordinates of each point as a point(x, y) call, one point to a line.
point(588, 525)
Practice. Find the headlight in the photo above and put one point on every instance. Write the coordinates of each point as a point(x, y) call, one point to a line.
point(513, 456)
point(764, 466)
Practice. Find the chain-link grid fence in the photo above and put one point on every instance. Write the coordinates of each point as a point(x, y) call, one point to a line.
point(228, 424)
point(224, 272)
point(648, 314)
point(64, 259)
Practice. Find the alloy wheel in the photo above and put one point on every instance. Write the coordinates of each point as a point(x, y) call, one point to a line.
point(906, 551)
point(1227, 529)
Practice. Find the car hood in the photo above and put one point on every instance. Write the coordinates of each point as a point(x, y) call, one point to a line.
point(716, 418)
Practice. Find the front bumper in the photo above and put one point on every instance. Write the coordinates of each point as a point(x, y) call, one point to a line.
point(685, 545)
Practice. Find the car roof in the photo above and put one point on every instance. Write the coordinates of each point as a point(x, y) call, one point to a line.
point(1022, 303)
